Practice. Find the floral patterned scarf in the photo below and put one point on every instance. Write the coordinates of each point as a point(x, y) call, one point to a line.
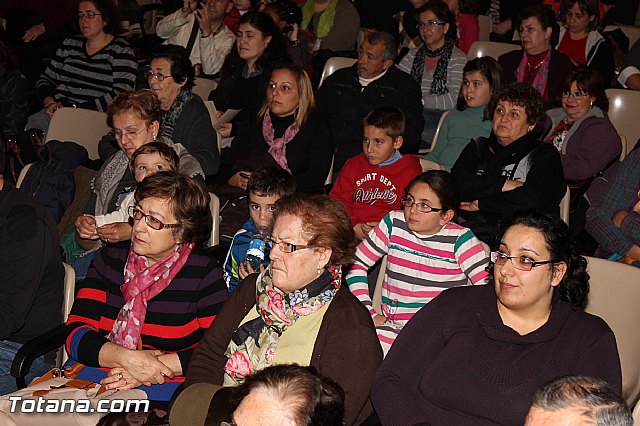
point(278, 146)
point(542, 73)
point(253, 345)
point(141, 283)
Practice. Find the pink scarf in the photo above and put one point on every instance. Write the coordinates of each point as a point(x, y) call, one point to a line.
point(142, 283)
point(277, 147)
point(542, 73)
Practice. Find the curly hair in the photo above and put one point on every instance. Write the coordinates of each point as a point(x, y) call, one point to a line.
point(524, 95)
point(109, 12)
point(144, 103)
point(574, 287)
point(325, 223)
point(590, 82)
point(187, 201)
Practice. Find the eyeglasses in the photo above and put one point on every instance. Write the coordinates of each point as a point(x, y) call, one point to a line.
point(284, 246)
point(430, 23)
point(152, 221)
point(522, 263)
point(577, 95)
point(89, 15)
point(129, 134)
point(422, 207)
point(158, 76)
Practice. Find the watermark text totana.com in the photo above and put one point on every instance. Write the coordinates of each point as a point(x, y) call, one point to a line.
point(43, 405)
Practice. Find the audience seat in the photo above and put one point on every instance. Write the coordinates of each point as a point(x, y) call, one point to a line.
point(490, 48)
point(204, 86)
point(82, 126)
point(625, 146)
point(565, 206)
point(486, 23)
point(614, 296)
point(334, 64)
point(623, 112)
point(435, 135)
point(633, 33)
point(22, 174)
point(214, 205)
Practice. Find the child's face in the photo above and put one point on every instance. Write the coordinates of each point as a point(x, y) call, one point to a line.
point(261, 209)
point(149, 164)
point(378, 146)
point(242, 4)
point(420, 222)
point(475, 89)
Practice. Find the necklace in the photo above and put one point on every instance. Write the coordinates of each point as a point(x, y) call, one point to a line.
point(537, 66)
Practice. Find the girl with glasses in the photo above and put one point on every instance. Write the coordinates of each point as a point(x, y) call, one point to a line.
point(475, 355)
point(426, 253)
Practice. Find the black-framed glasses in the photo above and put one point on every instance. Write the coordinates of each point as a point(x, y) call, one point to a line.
point(522, 263)
point(422, 207)
point(158, 76)
point(577, 95)
point(284, 246)
point(152, 221)
point(130, 134)
point(429, 24)
point(89, 15)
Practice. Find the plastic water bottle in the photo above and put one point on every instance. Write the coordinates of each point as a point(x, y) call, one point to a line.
point(257, 251)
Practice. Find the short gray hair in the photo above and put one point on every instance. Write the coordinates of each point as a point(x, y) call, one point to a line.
point(390, 44)
point(598, 401)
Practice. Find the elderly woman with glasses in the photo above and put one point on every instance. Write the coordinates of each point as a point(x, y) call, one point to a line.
point(296, 311)
point(475, 354)
point(89, 69)
point(146, 304)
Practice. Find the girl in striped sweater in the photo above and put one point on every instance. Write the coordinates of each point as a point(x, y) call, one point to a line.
point(426, 254)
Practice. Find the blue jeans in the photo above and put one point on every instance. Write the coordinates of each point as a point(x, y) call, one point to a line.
point(39, 120)
point(431, 118)
point(81, 265)
point(8, 351)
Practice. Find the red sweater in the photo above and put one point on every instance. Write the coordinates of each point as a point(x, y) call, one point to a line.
point(370, 192)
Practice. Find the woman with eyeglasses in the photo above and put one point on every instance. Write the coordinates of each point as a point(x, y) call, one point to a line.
point(475, 355)
point(145, 304)
point(538, 63)
point(90, 69)
point(511, 169)
point(426, 253)
point(296, 311)
point(135, 119)
point(436, 65)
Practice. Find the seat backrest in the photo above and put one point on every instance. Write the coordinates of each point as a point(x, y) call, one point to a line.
point(334, 64)
point(22, 174)
point(377, 292)
point(203, 86)
point(565, 206)
point(623, 112)
point(633, 33)
point(613, 296)
point(82, 126)
point(436, 134)
point(486, 23)
point(214, 206)
point(67, 303)
point(490, 48)
point(625, 150)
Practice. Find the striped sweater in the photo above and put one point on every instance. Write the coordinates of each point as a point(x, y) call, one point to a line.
point(176, 318)
point(418, 268)
point(88, 81)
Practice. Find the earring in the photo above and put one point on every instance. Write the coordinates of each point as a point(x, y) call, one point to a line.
point(591, 103)
point(319, 271)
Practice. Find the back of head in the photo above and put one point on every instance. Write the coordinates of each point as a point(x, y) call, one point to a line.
point(325, 222)
point(306, 397)
point(593, 398)
point(388, 118)
point(269, 181)
point(181, 66)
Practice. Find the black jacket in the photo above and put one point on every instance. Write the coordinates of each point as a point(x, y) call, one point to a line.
point(13, 101)
point(484, 166)
point(345, 102)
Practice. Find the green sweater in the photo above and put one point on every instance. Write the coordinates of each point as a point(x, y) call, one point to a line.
point(458, 128)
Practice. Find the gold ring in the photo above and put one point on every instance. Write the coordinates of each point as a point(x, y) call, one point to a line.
point(119, 376)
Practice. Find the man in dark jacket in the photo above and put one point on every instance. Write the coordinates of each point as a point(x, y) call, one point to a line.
point(348, 95)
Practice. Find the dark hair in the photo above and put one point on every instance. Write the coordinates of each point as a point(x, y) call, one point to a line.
point(490, 69)
point(311, 399)
point(593, 397)
point(442, 12)
point(166, 152)
point(286, 10)
point(524, 95)
point(472, 7)
point(144, 103)
point(181, 66)
point(388, 118)
point(269, 181)
point(390, 51)
point(109, 12)
point(590, 7)
point(545, 15)
point(325, 223)
point(187, 200)
point(588, 81)
point(574, 287)
point(443, 185)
